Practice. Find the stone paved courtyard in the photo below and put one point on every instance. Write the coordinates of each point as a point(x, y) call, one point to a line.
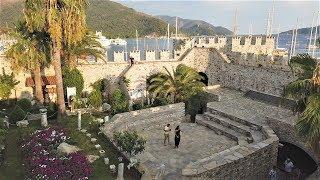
point(197, 142)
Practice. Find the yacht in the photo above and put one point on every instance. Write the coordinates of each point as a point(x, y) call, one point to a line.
point(103, 40)
point(119, 42)
point(312, 46)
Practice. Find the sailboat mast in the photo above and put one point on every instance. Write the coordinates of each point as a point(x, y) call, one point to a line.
point(268, 24)
point(315, 35)
point(295, 38)
point(311, 31)
point(292, 39)
point(176, 27)
point(168, 42)
point(272, 17)
point(250, 29)
point(278, 37)
point(137, 40)
point(234, 29)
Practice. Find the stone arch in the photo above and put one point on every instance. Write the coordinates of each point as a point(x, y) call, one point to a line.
point(205, 78)
point(301, 157)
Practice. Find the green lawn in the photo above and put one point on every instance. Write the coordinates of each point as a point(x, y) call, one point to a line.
point(12, 166)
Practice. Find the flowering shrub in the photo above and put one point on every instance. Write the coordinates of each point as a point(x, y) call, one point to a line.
point(130, 142)
point(43, 162)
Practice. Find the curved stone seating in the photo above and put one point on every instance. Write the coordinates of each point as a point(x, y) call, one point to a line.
point(250, 131)
point(220, 129)
point(228, 123)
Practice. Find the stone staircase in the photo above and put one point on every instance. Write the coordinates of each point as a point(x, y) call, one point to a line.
point(244, 132)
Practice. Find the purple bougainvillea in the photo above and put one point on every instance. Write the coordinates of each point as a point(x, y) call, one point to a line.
point(43, 162)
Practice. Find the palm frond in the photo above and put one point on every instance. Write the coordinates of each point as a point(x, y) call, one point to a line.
point(308, 125)
point(303, 65)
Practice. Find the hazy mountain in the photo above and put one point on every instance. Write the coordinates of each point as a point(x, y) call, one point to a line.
point(196, 27)
point(301, 31)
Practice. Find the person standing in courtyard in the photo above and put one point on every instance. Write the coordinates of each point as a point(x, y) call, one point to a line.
point(288, 165)
point(177, 137)
point(167, 130)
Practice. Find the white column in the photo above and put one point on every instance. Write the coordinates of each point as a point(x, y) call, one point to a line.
point(120, 171)
point(79, 120)
point(44, 121)
point(106, 119)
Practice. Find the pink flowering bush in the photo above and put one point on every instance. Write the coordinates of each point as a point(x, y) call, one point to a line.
point(43, 162)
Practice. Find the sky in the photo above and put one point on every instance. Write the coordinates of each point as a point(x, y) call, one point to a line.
point(221, 13)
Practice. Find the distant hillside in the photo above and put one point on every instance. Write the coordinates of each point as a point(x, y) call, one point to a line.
point(114, 19)
point(301, 31)
point(196, 27)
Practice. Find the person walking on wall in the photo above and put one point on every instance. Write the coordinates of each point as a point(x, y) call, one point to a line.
point(177, 137)
point(167, 130)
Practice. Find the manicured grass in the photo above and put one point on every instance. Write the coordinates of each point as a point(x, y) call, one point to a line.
point(12, 167)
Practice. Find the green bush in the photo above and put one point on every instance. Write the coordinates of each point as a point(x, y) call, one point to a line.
point(3, 133)
point(196, 104)
point(52, 110)
point(119, 102)
point(73, 78)
point(7, 84)
point(78, 103)
point(137, 106)
point(130, 142)
point(161, 101)
point(100, 85)
point(16, 115)
point(24, 104)
point(95, 98)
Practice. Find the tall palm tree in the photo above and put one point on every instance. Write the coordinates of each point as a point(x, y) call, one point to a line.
point(180, 85)
point(64, 21)
point(88, 46)
point(306, 90)
point(29, 53)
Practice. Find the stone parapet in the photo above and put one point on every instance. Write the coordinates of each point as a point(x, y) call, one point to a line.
point(124, 121)
point(151, 55)
point(165, 55)
point(119, 56)
point(136, 55)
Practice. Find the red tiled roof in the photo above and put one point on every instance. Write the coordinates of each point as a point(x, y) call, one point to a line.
point(46, 80)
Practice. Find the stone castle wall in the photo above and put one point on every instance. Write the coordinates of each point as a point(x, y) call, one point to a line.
point(286, 133)
point(238, 76)
point(207, 60)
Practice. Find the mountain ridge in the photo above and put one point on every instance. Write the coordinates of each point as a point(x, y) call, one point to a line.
point(195, 27)
point(305, 30)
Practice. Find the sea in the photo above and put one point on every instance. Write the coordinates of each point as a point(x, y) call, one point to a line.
point(301, 45)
